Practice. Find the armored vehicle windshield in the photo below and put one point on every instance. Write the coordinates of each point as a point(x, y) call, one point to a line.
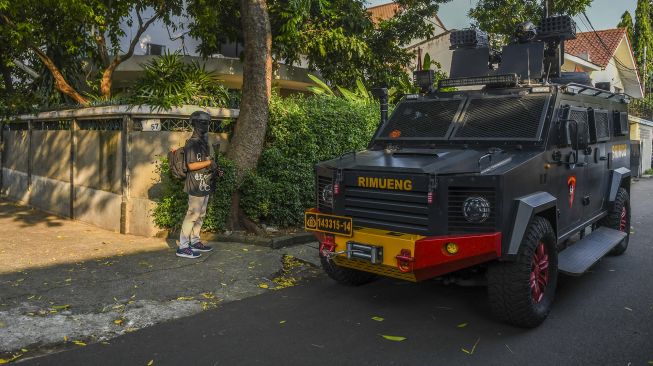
point(472, 117)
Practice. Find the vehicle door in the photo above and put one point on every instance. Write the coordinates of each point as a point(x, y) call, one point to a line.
point(596, 175)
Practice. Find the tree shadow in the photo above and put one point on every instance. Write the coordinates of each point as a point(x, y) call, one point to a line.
point(26, 216)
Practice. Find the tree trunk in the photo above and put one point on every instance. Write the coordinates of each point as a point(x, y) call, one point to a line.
point(107, 78)
point(249, 133)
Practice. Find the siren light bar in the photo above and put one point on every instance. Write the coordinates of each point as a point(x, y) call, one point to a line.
point(560, 26)
point(468, 38)
point(508, 80)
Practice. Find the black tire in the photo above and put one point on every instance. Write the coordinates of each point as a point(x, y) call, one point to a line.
point(346, 276)
point(613, 220)
point(509, 283)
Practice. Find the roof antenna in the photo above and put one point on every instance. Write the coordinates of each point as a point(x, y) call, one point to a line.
point(528, 56)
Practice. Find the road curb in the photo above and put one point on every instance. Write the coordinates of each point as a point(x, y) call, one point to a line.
point(274, 243)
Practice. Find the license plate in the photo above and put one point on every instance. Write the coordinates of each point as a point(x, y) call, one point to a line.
point(331, 224)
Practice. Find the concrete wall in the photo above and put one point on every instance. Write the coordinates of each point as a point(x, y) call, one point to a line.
point(147, 149)
point(15, 163)
point(38, 171)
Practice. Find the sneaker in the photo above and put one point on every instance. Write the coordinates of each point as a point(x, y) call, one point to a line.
point(200, 247)
point(187, 253)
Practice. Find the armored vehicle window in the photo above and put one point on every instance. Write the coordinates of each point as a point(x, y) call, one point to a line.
point(510, 118)
point(421, 119)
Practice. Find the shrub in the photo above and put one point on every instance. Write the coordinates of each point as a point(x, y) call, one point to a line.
point(168, 81)
point(171, 208)
point(303, 131)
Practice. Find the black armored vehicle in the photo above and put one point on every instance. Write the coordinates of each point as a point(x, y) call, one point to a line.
point(518, 174)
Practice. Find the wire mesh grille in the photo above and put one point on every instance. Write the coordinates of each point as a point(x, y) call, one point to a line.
point(601, 125)
point(421, 119)
point(179, 125)
point(503, 118)
point(15, 126)
point(51, 125)
point(113, 124)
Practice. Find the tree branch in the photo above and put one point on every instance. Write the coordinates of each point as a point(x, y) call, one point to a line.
point(60, 81)
point(105, 84)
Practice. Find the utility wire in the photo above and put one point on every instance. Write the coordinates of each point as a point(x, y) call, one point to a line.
point(603, 43)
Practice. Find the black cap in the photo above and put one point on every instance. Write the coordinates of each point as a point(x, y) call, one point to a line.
point(200, 116)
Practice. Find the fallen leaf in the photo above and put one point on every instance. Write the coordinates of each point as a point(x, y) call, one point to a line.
point(65, 338)
point(8, 360)
point(60, 307)
point(627, 308)
point(377, 318)
point(31, 297)
point(185, 298)
point(24, 350)
point(473, 348)
point(150, 363)
point(208, 295)
point(79, 343)
point(462, 325)
point(509, 349)
point(118, 321)
point(393, 338)
point(263, 285)
point(282, 322)
point(245, 250)
point(68, 279)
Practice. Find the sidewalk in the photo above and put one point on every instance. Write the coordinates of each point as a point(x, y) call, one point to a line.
point(66, 284)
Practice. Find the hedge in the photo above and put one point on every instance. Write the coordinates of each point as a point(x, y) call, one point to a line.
point(302, 131)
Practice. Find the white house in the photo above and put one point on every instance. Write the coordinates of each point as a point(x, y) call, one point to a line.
point(608, 58)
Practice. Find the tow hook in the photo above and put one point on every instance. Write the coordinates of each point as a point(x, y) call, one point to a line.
point(327, 246)
point(405, 261)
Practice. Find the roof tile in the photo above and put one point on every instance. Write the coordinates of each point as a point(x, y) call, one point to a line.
point(588, 45)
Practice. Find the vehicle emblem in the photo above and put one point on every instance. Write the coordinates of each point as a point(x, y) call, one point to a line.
point(571, 184)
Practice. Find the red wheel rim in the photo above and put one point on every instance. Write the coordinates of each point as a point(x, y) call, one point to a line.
point(539, 273)
point(623, 221)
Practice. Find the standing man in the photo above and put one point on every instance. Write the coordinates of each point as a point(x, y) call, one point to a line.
point(198, 185)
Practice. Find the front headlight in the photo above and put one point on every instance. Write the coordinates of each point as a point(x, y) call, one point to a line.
point(476, 209)
point(327, 194)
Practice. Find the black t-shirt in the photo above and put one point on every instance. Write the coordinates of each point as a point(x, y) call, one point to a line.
point(199, 183)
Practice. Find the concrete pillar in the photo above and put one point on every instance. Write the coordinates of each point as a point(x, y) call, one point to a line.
point(73, 163)
point(125, 147)
point(30, 153)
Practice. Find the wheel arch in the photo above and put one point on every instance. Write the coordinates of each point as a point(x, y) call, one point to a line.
point(526, 208)
point(619, 178)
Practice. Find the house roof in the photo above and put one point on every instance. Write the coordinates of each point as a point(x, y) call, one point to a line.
point(386, 11)
point(597, 48)
point(604, 48)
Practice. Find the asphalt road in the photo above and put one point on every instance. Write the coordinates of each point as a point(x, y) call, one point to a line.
point(602, 318)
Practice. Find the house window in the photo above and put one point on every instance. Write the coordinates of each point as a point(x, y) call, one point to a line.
point(155, 49)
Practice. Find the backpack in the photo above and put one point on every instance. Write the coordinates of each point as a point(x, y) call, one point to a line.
point(177, 162)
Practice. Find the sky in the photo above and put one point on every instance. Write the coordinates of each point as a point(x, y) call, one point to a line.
point(604, 14)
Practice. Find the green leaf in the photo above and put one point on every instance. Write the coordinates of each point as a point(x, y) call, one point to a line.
point(362, 91)
point(377, 318)
point(426, 65)
point(321, 84)
point(462, 325)
point(393, 338)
